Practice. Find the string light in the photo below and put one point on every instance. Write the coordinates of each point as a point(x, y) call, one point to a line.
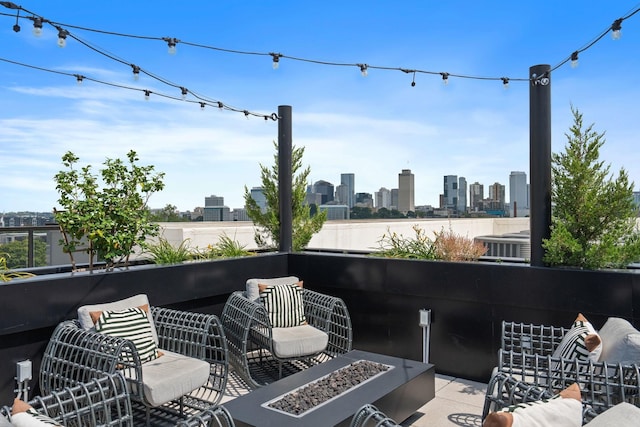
point(37, 26)
point(276, 60)
point(62, 36)
point(79, 79)
point(574, 59)
point(16, 26)
point(184, 92)
point(363, 69)
point(413, 82)
point(445, 78)
point(136, 72)
point(505, 82)
point(171, 42)
point(615, 29)
point(147, 94)
point(202, 105)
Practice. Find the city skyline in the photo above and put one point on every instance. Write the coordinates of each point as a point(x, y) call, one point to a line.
point(373, 126)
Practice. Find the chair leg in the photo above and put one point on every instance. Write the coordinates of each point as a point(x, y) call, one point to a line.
point(148, 416)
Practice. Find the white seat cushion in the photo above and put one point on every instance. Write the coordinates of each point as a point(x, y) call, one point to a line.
point(622, 415)
point(298, 341)
point(620, 342)
point(171, 376)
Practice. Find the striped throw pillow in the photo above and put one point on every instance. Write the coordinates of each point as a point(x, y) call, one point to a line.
point(132, 324)
point(582, 342)
point(283, 304)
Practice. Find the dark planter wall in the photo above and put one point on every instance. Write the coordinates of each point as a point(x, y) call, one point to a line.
point(30, 309)
point(468, 303)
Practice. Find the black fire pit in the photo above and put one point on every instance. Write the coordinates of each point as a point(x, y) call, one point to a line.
point(398, 390)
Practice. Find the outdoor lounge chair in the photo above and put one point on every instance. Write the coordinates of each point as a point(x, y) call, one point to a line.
point(370, 416)
point(103, 401)
point(528, 369)
point(214, 417)
point(189, 371)
point(309, 328)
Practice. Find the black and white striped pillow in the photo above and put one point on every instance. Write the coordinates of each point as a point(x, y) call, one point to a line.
point(23, 415)
point(284, 304)
point(132, 324)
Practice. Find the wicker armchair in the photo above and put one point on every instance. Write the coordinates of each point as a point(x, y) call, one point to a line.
point(100, 402)
point(75, 355)
point(369, 415)
point(250, 336)
point(214, 417)
point(528, 371)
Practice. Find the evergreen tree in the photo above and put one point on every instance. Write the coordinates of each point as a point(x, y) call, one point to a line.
point(593, 215)
point(267, 234)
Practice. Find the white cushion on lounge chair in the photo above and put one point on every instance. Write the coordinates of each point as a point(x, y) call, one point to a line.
point(252, 291)
point(620, 341)
point(622, 415)
point(171, 376)
point(297, 341)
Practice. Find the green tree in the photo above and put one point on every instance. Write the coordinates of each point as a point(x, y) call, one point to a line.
point(593, 215)
point(114, 219)
point(359, 212)
point(267, 234)
point(169, 213)
point(16, 253)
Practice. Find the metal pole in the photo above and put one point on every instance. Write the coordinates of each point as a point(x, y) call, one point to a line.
point(285, 185)
point(539, 159)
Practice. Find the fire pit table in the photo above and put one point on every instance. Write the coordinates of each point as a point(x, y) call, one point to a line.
point(398, 390)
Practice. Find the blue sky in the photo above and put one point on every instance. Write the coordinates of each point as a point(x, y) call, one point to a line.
point(372, 126)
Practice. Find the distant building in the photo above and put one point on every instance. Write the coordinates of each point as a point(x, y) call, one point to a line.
point(257, 194)
point(394, 198)
point(325, 189)
point(476, 195)
point(450, 193)
point(214, 200)
point(462, 195)
point(382, 198)
point(406, 191)
point(364, 200)
point(216, 213)
point(335, 212)
point(518, 194)
point(347, 180)
point(240, 214)
point(497, 196)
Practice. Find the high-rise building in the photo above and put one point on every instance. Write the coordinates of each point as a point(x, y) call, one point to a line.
point(406, 191)
point(476, 194)
point(497, 194)
point(462, 195)
point(450, 194)
point(364, 200)
point(325, 189)
point(394, 198)
point(348, 180)
point(518, 194)
point(214, 200)
point(383, 198)
point(257, 194)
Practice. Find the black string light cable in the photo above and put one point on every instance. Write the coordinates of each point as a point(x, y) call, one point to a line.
point(172, 42)
point(203, 102)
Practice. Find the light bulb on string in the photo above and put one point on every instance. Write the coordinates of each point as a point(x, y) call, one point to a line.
point(37, 26)
point(79, 79)
point(202, 105)
point(171, 43)
point(147, 94)
point(574, 59)
point(363, 69)
point(616, 28)
point(413, 82)
point(62, 37)
point(16, 27)
point(220, 106)
point(184, 91)
point(136, 72)
point(505, 82)
point(445, 78)
point(276, 60)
